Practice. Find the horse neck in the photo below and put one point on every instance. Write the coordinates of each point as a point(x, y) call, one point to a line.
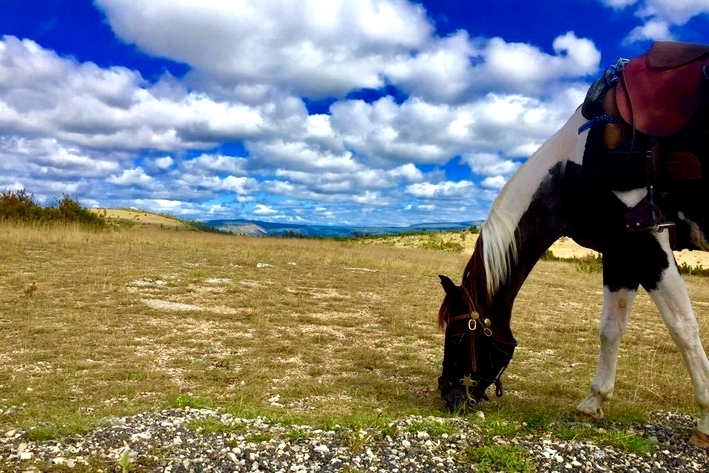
point(526, 218)
point(539, 227)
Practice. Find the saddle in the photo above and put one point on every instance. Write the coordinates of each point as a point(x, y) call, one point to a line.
point(660, 91)
point(664, 95)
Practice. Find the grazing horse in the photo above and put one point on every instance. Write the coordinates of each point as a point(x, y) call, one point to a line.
point(625, 176)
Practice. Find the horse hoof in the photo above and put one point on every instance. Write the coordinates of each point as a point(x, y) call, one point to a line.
point(590, 415)
point(699, 439)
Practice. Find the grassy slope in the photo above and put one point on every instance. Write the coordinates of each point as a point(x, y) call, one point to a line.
point(141, 220)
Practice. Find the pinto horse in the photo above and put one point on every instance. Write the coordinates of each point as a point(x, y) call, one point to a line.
point(562, 190)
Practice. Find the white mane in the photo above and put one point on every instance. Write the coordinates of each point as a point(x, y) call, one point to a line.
point(498, 232)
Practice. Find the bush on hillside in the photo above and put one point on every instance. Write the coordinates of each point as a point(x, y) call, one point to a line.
point(19, 206)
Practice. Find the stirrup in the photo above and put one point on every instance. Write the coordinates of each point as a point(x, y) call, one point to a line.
point(646, 217)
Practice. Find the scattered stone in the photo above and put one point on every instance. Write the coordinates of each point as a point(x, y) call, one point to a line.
point(166, 435)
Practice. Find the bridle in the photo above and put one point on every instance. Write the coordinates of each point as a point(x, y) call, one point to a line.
point(478, 331)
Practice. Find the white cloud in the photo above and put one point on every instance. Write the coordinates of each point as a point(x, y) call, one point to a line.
point(488, 164)
point(659, 17)
point(168, 204)
point(653, 30)
point(261, 209)
point(455, 68)
point(673, 12)
point(163, 163)
point(113, 136)
point(317, 48)
point(618, 4)
point(44, 95)
point(496, 182)
point(443, 190)
point(206, 163)
point(131, 177)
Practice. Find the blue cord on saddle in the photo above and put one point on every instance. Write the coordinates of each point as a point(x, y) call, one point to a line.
point(598, 119)
point(608, 80)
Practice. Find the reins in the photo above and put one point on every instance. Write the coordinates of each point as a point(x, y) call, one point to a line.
point(471, 379)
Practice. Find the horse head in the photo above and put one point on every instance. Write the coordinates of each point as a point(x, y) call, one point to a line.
point(474, 356)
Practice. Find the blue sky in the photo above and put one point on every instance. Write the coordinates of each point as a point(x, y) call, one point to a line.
point(376, 112)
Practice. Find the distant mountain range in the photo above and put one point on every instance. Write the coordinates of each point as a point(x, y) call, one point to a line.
point(258, 228)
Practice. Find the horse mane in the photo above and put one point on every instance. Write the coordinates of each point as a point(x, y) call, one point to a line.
point(499, 251)
point(492, 261)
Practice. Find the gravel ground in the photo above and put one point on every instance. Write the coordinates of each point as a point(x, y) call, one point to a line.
point(201, 440)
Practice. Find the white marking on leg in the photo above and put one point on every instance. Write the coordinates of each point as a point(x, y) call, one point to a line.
point(673, 302)
point(614, 323)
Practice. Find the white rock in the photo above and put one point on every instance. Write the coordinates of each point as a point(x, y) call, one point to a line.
point(321, 448)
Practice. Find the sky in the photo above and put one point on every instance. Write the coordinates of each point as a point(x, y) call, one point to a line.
point(339, 112)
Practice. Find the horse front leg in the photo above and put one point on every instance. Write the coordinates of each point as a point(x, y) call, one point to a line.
point(617, 304)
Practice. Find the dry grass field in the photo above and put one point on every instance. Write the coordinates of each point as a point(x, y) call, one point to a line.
point(562, 248)
point(95, 325)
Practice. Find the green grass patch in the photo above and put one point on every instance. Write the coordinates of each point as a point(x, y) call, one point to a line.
point(623, 441)
point(213, 426)
point(43, 433)
point(180, 402)
point(433, 427)
point(498, 458)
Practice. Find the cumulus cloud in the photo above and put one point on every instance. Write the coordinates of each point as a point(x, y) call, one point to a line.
point(113, 137)
point(261, 209)
point(659, 17)
point(315, 48)
point(45, 95)
point(443, 190)
point(457, 67)
point(674, 12)
point(653, 30)
point(132, 177)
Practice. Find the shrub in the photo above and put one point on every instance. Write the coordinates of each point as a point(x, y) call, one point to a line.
point(19, 206)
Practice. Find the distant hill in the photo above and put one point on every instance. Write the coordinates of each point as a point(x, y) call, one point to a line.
point(259, 228)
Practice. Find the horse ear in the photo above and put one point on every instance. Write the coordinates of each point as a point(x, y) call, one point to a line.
point(448, 285)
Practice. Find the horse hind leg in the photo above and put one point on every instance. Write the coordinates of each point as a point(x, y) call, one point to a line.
point(673, 302)
point(614, 323)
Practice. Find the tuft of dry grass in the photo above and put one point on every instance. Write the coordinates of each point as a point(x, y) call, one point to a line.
point(101, 324)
